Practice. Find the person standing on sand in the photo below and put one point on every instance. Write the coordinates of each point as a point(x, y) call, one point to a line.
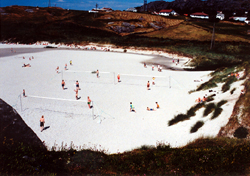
point(118, 78)
point(148, 86)
point(70, 62)
point(132, 108)
point(63, 84)
point(65, 67)
point(89, 102)
point(57, 69)
point(77, 86)
point(42, 122)
point(153, 67)
point(157, 105)
point(97, 73)
point(76, 94)
point(153, 81)
point(24, 93)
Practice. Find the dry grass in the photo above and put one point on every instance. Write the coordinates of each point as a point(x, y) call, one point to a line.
point(190, 31)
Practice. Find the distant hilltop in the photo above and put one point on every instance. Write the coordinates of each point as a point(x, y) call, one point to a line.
point(207, 6)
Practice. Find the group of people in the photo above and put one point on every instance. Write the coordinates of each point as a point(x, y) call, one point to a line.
point(159, 67)
point(132, 107)
point(27, 65)
point(201, 100)
point(237, 75)
point(177, 61)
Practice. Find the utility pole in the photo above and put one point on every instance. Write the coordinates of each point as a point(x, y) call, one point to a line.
point(145, 6)
point(49, 4)
point(95, 14)
point(212, 40)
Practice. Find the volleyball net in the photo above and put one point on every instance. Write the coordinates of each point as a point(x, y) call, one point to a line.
point(66, 106)
point(52, 104)
point(126, 79)
point(132, 79)
point(88, 77)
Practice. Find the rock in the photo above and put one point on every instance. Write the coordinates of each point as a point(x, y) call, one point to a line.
point(14, 129)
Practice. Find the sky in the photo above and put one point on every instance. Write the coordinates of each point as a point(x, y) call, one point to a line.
point(77, 4)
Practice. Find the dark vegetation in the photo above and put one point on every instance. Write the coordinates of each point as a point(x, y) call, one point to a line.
point(204, 156)
point(224, 75)
point(196, 126)
point(241, 132)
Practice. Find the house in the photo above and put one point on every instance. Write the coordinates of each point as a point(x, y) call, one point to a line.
point(29, 10)
point(93, 11)
point(131, 9)
point(247, 21)
point(220, 15)
point(200, 15)
point(238, 18)
point(167, 12)
point(104, 9)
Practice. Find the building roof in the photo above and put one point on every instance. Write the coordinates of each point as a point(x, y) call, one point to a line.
point(199, 14)
point(166, 11)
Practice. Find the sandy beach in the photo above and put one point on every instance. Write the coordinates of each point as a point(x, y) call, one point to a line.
point(109, 125)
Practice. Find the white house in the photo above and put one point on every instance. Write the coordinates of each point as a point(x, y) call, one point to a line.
point(220, 15)
point(167, 12)
point(200, 15)
point(238, 18)
point(131, 9)
point(104, 9)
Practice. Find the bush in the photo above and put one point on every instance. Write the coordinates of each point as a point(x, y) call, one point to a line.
point(210, 98)
point(232, 91)
point(209, 108)
point(198, 125)
point(193, 109)
point(216, 113)
point(222, 102)
point(178, 118)
point(207, 85)
point(228, 82)
point(241, 132)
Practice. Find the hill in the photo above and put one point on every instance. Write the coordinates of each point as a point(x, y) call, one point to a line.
point(207, 6)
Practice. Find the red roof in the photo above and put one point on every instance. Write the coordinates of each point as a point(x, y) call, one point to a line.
point(200, 14)
point(166, 11)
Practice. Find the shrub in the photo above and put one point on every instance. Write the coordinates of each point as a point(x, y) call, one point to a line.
point(216, 113)
point(178, 118)
point(193, 109)
point(207, 85)
point(210, 98)
point(222, 102)
point(209, 108)
point(198, 125)
point(228, 82)
point(232, 91)
point(241, 132)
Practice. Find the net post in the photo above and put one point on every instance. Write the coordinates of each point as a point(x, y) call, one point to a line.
point(169, 81)
point(21, 102)
point(62, 74)
point(92, 109)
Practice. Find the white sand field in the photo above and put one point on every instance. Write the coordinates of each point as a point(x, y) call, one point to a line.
point(113, 127)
